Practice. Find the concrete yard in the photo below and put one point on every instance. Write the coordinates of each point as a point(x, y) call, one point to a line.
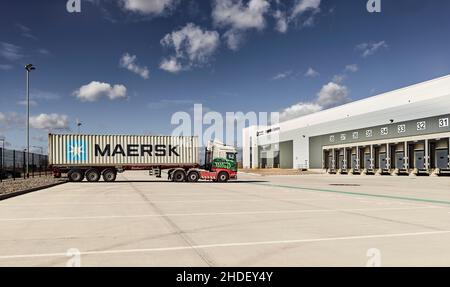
point(308, 220)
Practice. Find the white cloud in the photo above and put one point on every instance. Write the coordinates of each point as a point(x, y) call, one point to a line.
point(148, 7)
point(369, 49)
point(298, 110)
point(302, 13)
point(239, 17)
point(10, 51)
point(311, 73)
point(49, 121)
point(303, 6)
point(234, 39)
point(282, 75)
point(281, 21)
point(129, 62)
point(193, 47)
point(170, 65)
point(352, 68)
point(95, 90)
point(10, 120)
point(333, 94)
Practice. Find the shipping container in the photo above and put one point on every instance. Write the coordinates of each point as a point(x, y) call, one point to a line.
point(94, 156)
point(122, 150)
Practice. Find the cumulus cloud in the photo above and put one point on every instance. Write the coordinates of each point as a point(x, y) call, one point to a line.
point(49, 122)
point(369, 49)
point(239, 17)
point(352, 68)
point(298, 110)
point(302, 13)
point(148, 7)
point(129, 62)
point(303, 6)
point(170, 65)
point(281, 21)
point(10, 51)
point(311, 73)
point(333, 94)
point(10, 120)
point(192, 46)
point(96, 90)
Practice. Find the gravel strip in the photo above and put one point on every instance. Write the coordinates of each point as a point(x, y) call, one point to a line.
point(18, 185)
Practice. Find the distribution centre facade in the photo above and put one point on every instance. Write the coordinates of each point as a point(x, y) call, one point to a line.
point(402, 131)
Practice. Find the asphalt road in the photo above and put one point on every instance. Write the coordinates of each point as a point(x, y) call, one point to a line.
point(311, 220)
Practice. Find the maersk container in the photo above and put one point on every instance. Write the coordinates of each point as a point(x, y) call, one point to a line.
point(125, 151)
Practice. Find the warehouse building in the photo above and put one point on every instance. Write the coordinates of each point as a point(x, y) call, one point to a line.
point(404, 131)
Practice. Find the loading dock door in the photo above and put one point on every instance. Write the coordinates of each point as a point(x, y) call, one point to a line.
point(367, 160)
point(341, 161)
point(354, 162)
point(442, 158)
point(399, 160)
point(330, 162)
point(383, 160)
point(419, 159)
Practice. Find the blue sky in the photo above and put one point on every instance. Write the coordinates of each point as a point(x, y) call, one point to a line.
point(125, 66)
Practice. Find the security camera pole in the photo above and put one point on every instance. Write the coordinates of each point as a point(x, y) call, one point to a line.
point(29, 68)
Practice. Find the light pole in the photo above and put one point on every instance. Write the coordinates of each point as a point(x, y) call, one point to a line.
point(3, 157)
point(78, 126)
point(29, 68)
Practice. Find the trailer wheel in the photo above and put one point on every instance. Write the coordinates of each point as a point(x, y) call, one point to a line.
point(179, 176)
point(92, 175)
point(75, 175)
point(193, 176)
point(223, 176)
point(109, 175)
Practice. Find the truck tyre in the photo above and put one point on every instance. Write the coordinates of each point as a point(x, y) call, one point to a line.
point(193, 176)
point(92, 175)
point(75, 175)
point(179, 176)
point(223, 176)
point(109, 175)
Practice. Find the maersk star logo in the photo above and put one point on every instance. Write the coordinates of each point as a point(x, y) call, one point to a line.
point(76, 150)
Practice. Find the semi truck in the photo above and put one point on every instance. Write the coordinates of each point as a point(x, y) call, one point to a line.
point(93, 157)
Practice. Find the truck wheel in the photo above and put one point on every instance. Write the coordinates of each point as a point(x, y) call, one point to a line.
point(193, 176)
point(179, 176)
point(75, 175)
point(92, 175)
point(222, 176)
point(109, 175)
